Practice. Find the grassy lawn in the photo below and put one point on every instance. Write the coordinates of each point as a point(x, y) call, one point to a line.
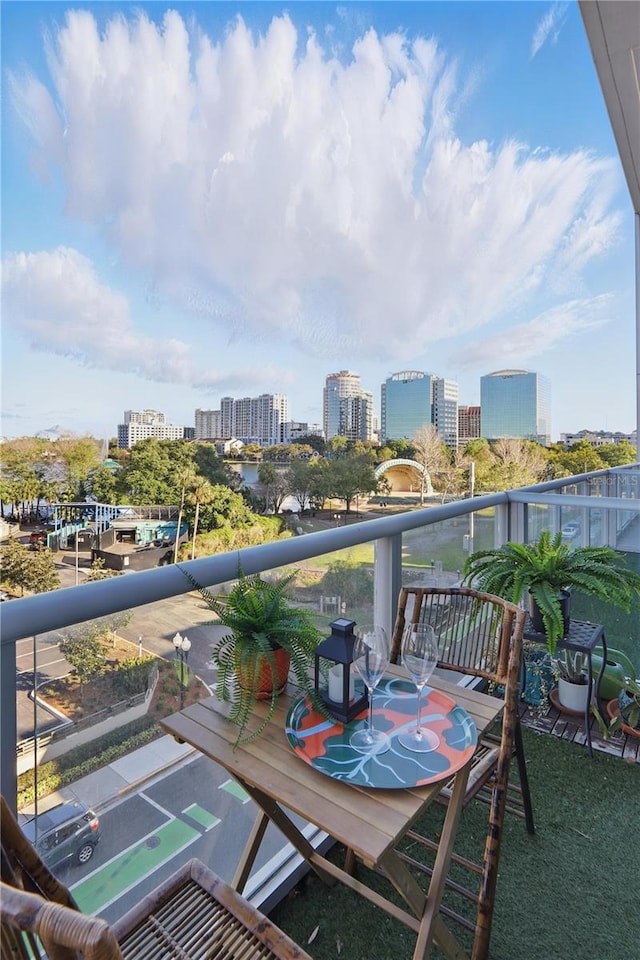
point(570, 891)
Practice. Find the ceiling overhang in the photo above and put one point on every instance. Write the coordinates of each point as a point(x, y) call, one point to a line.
point(613, 31)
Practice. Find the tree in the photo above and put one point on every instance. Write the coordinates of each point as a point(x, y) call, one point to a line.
point(454, 475)
point(275, 483)
point(430, 452)
point(518, 463)
point(201, 492)
point(319, 483)
point(349, 477)
point(86, 652)
point(102, 485)
point(618, 454)
point(186, 478)
point(98, 571)
point(26, 569)
point(300, 481)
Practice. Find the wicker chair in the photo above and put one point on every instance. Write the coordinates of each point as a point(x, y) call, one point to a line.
point(480, 635)
point(193, 915)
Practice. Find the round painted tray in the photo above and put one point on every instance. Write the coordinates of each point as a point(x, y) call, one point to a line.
point(324, 744)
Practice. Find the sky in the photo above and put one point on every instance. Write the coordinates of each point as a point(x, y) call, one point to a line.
point(226, 199)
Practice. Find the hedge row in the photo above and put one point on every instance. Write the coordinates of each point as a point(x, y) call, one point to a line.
point(86, 759)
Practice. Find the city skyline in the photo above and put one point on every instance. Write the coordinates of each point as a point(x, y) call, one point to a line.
point(232, 199)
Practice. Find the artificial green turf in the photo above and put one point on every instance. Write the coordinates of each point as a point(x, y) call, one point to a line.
point(568, 893)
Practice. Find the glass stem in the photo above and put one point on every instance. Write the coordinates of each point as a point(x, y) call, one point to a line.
point(419, 719)
point(371, 713)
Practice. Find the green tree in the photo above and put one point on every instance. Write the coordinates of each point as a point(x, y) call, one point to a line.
point(99, 571)
point(618, 454)
point(102, 485)
point(581, 457)
point(202, 492)
point(300, 481)
point(319, 483)
point(351, 476)
point(86, 651)
point(186, 479)
point(26, 569)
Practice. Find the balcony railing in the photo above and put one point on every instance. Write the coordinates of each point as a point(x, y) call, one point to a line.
point(423, 545)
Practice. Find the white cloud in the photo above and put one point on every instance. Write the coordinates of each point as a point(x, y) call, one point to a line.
point(57, 301)
point(265, 186)
point(537, 336)
point(548, 28)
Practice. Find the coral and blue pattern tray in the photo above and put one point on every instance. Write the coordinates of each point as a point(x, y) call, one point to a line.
point(324, 744)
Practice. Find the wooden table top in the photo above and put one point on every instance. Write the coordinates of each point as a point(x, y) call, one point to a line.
point(369, 821)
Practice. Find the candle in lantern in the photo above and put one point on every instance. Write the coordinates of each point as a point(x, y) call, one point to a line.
point(335, 684)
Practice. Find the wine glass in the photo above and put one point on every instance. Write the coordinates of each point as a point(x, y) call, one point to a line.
point(371, 659)
point(419, 657)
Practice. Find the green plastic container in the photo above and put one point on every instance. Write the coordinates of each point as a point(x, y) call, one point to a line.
point(618, 667)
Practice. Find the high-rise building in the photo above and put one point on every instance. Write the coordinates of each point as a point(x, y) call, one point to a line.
point(251, 419)
point(356, 415)
point(142, 424)
point(445, 410)
point(406, 402)
point(468, 424)
point(515, 403)
point(338, 387)
point(295, 429)
point(208, 423)
point(412, 399)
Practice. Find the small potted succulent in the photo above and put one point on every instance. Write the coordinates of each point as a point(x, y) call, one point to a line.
point(267, 636)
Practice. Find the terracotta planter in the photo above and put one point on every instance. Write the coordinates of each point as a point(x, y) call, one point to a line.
point(264, 687)
point(613, 709)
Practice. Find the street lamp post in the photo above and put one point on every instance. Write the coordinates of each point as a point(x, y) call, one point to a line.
point(182, 645)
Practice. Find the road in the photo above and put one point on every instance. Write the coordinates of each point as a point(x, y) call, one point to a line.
point(195, 811)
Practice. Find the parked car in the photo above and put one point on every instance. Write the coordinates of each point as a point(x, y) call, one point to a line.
point(570, 530)
point(67, 833)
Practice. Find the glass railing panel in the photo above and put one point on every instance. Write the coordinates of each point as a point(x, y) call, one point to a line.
point(434, 555)
point(120, 805)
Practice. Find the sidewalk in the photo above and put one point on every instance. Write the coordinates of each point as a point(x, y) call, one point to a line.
point(109, 784)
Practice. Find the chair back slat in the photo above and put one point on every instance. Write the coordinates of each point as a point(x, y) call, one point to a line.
point(475, 630)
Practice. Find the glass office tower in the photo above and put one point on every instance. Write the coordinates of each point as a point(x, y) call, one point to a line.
point(407, 400)
point(515, 403)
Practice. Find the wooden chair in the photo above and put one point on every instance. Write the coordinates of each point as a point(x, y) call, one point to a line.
point(193, 915)
point(480, 635)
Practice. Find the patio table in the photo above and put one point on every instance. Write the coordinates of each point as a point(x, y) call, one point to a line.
point(368, 821)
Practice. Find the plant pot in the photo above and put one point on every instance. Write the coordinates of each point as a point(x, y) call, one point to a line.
point(536, 617)
point(264, 687)
point(613, 709)
point(538, 679)
point(573, 696)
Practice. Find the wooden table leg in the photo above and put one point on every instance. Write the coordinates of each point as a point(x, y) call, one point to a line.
point(272, 811)
point(250, 851)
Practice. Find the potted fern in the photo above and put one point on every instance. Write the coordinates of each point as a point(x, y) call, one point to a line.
point(550, 570)
point(267, 636)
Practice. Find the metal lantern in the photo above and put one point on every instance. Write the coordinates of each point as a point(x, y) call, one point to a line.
point(334, 677)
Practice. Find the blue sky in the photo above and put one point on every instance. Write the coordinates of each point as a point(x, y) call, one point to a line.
point(217, 199)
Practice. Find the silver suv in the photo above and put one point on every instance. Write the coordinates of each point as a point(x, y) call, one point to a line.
point(66, 833)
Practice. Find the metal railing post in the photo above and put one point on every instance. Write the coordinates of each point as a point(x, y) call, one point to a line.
point(387, 578)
